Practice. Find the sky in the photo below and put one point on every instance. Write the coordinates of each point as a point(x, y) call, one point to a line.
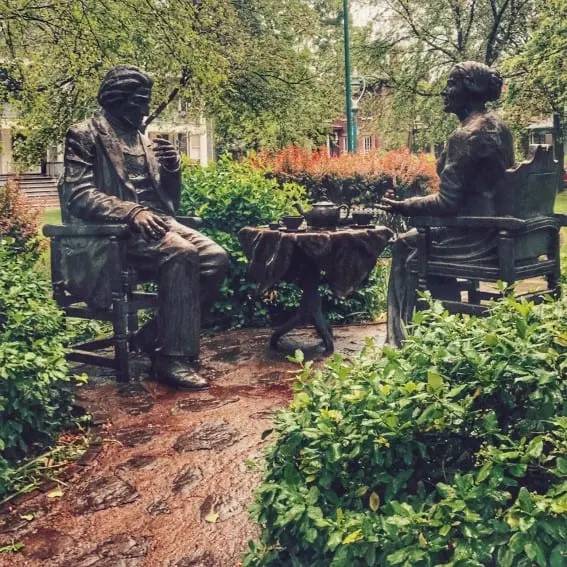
point(361, 14)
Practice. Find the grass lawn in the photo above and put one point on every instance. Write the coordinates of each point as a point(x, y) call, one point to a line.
point(561, 203)
point(51, 216)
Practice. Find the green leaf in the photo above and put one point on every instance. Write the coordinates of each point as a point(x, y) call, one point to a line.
point(518, 469)
point(212, 517)
point(491, 339)
point(535, 447)
point(334, 540)
point(521, 327)
point(374, 501)
point(11, 548)
point(525, 500)
point(505, 557)
point(516, 543)
point(562, 465)
point(484, 472)
point(434, 380)
point(56, 493)
point(397, 557)
point(353, 537)
point(535, 553)
point(298, 357)
point(558, 557)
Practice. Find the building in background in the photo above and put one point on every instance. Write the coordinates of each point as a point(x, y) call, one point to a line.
point(192, 137)
point(541, 133)
point(337, 142)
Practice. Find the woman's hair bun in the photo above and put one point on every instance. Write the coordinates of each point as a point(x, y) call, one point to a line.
point(494, 87)
point(482, 82)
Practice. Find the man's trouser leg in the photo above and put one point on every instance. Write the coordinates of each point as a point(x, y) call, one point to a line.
point(179, 312)
point(189, 268)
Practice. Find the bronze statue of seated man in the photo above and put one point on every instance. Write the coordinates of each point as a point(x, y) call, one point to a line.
point(470, 168)
point(114, 173)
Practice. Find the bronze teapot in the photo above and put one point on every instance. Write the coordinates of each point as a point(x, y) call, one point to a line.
point(324, 213)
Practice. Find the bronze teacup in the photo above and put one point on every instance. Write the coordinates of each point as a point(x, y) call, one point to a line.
point(362, 219)
point(292, 222)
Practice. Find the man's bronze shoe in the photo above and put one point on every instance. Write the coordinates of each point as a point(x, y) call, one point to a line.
point(178, 372)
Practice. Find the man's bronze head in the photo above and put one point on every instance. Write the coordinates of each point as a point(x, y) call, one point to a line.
point(471, 85)
point(125, 93)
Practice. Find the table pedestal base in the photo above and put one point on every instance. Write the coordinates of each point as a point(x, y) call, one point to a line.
point(310, 311)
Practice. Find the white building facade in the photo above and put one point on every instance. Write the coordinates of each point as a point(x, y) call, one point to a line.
point(193, 138)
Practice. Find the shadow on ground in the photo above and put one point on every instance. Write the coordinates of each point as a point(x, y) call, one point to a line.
point(172, 481)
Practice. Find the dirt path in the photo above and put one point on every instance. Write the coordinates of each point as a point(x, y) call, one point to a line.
point(172, 481)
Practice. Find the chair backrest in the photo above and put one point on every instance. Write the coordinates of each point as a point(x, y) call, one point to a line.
point(529, 189)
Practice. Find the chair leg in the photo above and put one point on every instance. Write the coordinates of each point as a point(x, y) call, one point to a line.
point(422, 284)
point(120, 326)
point(133, 322)
point(554, 277)
point(473, 293)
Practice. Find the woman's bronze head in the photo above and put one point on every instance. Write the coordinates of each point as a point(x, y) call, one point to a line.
point(471, 85)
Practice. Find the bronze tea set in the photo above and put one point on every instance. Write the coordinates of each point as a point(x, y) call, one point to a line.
point(323, 215)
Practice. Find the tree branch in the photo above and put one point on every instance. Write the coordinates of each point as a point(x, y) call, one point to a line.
point(185, 76)
point(419, 34)
point(491, 55)
point(472, 7)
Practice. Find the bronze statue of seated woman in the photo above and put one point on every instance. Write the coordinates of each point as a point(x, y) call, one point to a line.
point(476, 157)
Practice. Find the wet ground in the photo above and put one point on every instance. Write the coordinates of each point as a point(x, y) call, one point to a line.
point(172, 480)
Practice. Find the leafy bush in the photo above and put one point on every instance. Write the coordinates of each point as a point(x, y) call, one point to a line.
point(229, 195)
point(35, 394)
point(450, 451)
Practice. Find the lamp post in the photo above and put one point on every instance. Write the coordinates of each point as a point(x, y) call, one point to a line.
point(354, 106)
point(358, 85)
point(347, 77)
point(417, 127)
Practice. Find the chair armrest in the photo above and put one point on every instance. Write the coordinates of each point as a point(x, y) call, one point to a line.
point(80, 230)
point(190, 222)
point(506, 223)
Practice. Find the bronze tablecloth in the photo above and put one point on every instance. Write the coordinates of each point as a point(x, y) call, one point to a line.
point(346, 255)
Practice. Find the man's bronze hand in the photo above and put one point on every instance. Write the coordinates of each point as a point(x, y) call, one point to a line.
point(152, 226)
point(166, 154)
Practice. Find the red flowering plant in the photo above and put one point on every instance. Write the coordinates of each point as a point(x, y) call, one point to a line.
point(353, 178)
point(19, 219)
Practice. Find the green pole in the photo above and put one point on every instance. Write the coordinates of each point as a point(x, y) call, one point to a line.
point(347, 76)
point(355, 129)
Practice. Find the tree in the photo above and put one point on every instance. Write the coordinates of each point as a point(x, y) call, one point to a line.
point(412, 44)
point(538, 73)
point(235, 58)
point(290, 88)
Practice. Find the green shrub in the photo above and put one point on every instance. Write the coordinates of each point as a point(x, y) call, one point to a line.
point(229, 195)
point(451, 451)
point(35, 393)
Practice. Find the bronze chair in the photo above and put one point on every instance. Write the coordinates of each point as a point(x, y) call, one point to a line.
point(527, 239)
point(127, 297)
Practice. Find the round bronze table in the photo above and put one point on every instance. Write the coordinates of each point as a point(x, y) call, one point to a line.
point(346, 255)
